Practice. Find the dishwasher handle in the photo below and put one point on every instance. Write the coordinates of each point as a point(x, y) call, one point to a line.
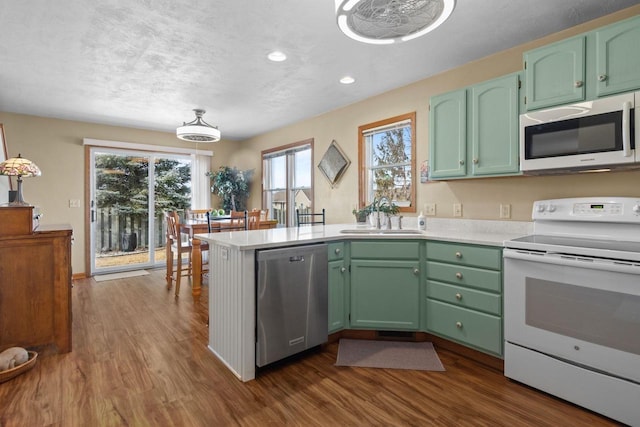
point(298, 258)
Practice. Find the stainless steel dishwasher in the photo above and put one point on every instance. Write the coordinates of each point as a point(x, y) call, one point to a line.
point(292, 310)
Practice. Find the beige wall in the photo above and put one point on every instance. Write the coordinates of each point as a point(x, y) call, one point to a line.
point(56, 146)
point(480, 198)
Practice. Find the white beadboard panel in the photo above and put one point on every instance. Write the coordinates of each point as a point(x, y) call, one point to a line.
point(232, 309)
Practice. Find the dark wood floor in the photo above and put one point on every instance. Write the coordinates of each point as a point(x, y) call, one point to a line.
point(140, 359)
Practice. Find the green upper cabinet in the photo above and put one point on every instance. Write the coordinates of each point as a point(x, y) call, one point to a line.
point(448, 135)
point(482, 132)
point(618, 57)
point(555, 74)
point(494, 127)
point(599, 63)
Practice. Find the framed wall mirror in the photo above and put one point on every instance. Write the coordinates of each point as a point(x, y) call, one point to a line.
point(5, 182)
point(334, 163)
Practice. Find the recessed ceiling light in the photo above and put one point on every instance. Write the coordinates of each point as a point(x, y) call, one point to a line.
point(347, 80)
point(277, 56)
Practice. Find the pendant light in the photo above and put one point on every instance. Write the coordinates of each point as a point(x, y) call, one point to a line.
point(198, 130)
point(390, 21)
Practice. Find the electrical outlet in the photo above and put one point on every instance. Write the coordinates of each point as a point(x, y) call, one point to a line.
point(430, 209)
point(457, 209)
point(74, 203)
point(505, 211)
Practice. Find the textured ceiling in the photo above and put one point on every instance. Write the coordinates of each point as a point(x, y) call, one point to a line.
point(148, 63)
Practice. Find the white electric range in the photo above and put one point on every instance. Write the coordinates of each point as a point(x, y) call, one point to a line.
point(572, 304)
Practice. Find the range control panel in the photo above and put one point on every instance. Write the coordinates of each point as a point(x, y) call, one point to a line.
point(605, 209)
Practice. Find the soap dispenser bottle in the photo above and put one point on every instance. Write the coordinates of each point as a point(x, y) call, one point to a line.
point(422, 223)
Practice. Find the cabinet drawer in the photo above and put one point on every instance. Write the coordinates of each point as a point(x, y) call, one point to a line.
point(479, 256)
point(479, 330)
point(465, 297)
point(385, 250)
point(480, 278)
point(336, 251)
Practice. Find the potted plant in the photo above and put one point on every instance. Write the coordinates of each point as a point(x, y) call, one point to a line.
point(232, 186)
point(361, 214)
point(378, 205)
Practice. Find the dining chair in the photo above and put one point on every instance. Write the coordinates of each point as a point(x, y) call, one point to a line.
point(180, 243)
point(264, 214)
point(253, 219)
point(310, 218)
point(238, 221)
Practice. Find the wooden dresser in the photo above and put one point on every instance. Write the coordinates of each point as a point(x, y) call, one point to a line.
point(35, 282)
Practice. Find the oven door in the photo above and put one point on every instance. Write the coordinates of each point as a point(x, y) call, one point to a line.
point(577, 309)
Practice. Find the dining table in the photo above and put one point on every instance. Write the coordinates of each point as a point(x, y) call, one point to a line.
point(195, 226)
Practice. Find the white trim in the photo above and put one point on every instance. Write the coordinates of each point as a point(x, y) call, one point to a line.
point(144, 147)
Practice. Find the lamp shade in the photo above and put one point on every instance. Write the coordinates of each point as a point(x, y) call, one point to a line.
point(19, 166)
point(198, 130)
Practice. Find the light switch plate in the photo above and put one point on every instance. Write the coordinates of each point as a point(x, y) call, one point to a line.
point(74, 203)
point(457, 209)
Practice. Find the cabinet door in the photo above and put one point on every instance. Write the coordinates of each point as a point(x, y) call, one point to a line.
point(337, 293)
point(555, 74)
point(494, 126)
point(385, 294)
point(448, 135)
point(617, 58)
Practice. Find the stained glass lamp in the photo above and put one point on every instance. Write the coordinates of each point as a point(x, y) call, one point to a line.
point(18, 166)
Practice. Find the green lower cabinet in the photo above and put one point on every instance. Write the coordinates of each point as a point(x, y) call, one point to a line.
point(337, 294)
point(468, 327)
point(385, 295)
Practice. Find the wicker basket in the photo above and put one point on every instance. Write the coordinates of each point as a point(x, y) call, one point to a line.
point(14, 372)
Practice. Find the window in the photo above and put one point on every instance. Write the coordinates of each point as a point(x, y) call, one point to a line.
point(387, 161)
point(287, 181)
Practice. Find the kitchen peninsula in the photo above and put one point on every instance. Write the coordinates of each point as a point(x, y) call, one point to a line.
point(232, 277)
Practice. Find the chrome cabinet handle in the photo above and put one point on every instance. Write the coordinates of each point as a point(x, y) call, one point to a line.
point(458, 296)
point(461, 162)
point(579, 83)
point(343, 269)
point(459, 325)
point(475, 161)
point(458, 255)
point(338, 251)
point(602, 77)
point(416, 271)
point(458, 275)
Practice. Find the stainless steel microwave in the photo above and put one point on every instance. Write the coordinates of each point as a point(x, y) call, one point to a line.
point(590, 135)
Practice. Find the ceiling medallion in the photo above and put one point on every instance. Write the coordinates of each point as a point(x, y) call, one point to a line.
point(198, 130)
point(390, 21)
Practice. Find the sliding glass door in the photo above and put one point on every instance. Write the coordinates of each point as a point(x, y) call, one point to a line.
point(130, 192)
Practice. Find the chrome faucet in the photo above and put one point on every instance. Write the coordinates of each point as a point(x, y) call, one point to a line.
point(381, 202)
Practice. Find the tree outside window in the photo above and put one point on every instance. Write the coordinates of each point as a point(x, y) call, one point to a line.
point(387, 161)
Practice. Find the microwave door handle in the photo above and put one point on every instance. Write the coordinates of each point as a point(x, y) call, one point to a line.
point(626, 129)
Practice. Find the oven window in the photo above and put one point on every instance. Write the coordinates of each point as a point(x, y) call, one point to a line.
point(591, 134)
point(607, 318)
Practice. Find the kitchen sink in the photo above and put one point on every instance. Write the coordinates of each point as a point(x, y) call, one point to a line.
point(375, 231)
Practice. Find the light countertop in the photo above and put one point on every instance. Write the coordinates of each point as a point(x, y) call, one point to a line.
point(479, 232)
